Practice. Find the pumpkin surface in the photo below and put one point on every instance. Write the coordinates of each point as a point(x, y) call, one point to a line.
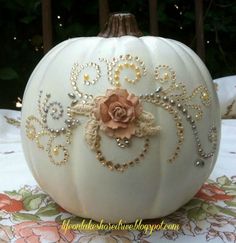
point(120, 128)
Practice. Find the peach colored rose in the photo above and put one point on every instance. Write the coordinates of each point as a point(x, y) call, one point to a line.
point(41, 232)
point(117, 112)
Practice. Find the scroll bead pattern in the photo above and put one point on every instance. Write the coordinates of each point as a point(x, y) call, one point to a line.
point(75, 77)
point(172, 97)
point(116, 66)
point(162, 101)
point(111, 165)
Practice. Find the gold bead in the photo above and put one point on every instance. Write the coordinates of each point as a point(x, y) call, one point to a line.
point(86, 77)
point(132, 65)
point(55, 151)
point(166, 76)
point(120, 66)
point(116, 77)
point(138, 75)
point(205, 96)
point(117, 83)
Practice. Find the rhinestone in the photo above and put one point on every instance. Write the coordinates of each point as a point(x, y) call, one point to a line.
point(74, 102)
point(71, 95)
point(159, 89)
point(125, 165)
point(117, 166)
point(199, 163)
point(131, 163)
point(68, 121)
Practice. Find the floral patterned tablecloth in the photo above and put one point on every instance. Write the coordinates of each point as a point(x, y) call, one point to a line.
point(27, 214)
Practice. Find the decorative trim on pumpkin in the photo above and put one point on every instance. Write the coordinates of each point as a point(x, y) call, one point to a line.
point(119, 114)
point(118, 65)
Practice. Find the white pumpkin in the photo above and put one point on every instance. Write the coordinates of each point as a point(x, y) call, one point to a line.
point(120, 128)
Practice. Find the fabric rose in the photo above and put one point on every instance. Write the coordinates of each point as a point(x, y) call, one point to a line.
point(41, 232)
point(10, 205)
point(117, 112)
point(212, 193)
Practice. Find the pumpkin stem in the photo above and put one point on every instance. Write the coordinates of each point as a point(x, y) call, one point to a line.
point(120, 24)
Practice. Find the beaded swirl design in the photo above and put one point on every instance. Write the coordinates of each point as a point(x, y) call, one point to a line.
point(171, 96)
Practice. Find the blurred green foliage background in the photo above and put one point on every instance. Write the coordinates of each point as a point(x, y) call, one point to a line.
point(22, 46)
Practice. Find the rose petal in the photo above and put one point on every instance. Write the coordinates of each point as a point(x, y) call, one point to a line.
point(133, 99)
point(118, 92)
point(130, 114)
point(125, 132)
point(122, 99)
point(104, 113)
point(114, 125)
point(111, 99)
point(114, 105)
point(114, 109)
point(108, 131)
point(119, 114)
